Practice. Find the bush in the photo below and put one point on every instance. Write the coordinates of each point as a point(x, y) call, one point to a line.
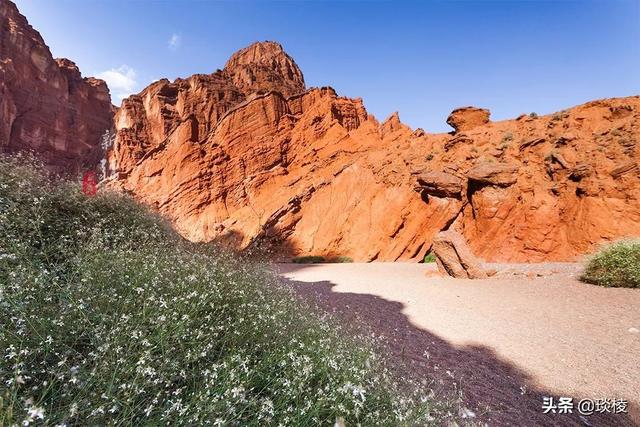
point(560, 115)
point(430, 257)
point(310, 259)
point(341, 259)
point(617, 265)
point(110, 318)
point(507, 137)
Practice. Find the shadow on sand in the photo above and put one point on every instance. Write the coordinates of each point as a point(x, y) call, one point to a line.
point(490, 386)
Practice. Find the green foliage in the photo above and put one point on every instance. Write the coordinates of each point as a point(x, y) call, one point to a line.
point(560, 115)
point(341, 259)
point(310, 259)
point(430, 257)
point(110, 318)
point(507, 138)
point(617, 265)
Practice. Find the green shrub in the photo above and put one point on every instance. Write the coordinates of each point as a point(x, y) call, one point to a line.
point(310, 259)
point(507, 137)
point(560, 115)
point(110, 318)
point(617, 265)
point(430, 257)
point(340, 259)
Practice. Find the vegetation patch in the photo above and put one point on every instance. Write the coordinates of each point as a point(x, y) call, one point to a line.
point(560, 115)
point(507, 137)
point(110, 318)
point(430, 257)
point(310, 259)
point(340, 259)
point(616, 265)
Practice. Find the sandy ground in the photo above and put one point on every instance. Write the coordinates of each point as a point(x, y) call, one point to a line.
point(529, 332)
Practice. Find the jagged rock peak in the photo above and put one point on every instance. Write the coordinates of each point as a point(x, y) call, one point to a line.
point(262, 67)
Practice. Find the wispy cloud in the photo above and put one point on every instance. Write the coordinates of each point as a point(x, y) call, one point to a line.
point(121, 81)
point(174, 42)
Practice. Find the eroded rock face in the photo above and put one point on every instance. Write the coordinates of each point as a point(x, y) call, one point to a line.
point(45, 104)
point(490, 173)
point(264, 67)
point(441, 184)
point(467, 118)
point(263, 161)
point(454, 257)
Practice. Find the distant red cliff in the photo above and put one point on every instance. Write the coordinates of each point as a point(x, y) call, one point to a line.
point(45, 104)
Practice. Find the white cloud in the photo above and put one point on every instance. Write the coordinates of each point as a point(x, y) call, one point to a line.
point(121, 81)
point(174, 42)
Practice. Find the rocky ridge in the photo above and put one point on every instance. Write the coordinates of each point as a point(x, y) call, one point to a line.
point(248, 156)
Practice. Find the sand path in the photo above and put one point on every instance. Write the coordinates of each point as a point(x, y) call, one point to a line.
point(508, 340)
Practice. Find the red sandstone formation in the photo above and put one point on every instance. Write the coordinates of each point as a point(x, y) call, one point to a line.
point(247, 156)
point(45, 104)
point(264, 67)
point(454, 257)
point(467, 118)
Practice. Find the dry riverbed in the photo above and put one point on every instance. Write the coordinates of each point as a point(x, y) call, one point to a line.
point(505, 342)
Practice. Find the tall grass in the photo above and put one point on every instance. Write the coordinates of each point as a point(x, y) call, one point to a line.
point(109, 318)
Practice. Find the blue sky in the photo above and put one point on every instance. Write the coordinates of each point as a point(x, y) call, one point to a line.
point(422, 59)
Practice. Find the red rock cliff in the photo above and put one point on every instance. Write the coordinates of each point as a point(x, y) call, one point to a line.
point(247, 156)
point(45, 104)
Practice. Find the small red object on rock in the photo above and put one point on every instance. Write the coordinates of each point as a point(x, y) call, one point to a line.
point(89, 183)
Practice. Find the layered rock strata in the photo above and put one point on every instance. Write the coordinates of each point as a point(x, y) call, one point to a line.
point(249, 156)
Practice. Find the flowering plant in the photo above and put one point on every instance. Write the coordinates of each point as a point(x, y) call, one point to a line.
point(109, 317)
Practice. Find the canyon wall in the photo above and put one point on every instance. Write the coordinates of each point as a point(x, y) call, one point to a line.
point(248, 156)
point(45, 104)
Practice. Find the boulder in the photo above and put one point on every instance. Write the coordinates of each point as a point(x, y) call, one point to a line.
point(440, 184)
point(467, 118)
point(623, 168)
point(454, 257)
point(498, 174)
